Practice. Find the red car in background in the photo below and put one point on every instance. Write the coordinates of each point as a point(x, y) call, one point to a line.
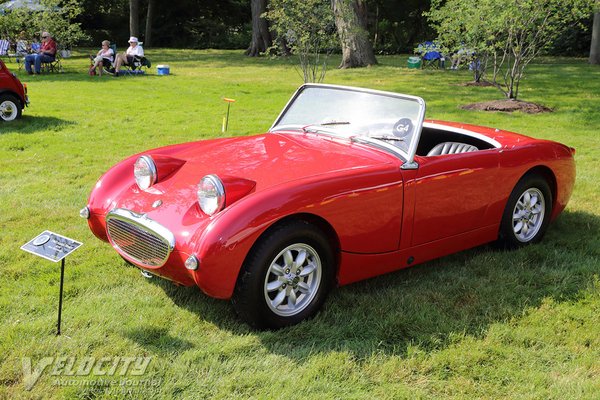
point(13, 95)
point(348, 184)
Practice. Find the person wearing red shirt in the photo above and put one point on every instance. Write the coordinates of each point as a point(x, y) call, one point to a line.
point(46, 54)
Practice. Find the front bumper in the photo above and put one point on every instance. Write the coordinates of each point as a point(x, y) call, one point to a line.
point(142, 241)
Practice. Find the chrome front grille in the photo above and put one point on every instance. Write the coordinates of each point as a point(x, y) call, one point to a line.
point(139, 238)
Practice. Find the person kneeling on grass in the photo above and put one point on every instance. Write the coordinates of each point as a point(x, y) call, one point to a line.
point(105, 57)
point(134, 50)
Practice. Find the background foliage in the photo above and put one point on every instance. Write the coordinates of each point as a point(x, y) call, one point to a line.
point(179, 23)
point(307, 29)
point(505, 35)
point(393, 28)
point(57, 17)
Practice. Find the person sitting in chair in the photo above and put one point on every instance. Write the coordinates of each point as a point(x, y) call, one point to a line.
point(22, 47)
point(46, 54)
point(104, 58)
point(134, 50)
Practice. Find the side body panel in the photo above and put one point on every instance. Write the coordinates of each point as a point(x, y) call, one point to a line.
point(341, 202)
point(519, 156)
point(454, 193)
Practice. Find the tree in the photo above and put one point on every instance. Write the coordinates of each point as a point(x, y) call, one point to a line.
point(149, 17)
point(463, 33)
point(307, 27)
point(351, 23)
point(396, 29)
point(261, 37)
point(55, 16)
point(595, 46)
point(134, 17)
point(512, 32)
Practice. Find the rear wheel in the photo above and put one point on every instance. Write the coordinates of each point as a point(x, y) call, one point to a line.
point(527, 213)
point(10, 107)
point(286, 278)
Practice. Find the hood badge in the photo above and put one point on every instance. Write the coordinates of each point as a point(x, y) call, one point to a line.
point(157, 204)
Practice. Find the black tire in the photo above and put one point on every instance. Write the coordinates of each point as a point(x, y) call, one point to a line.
point(520, 225)
point(262, 284)
point(10, 107)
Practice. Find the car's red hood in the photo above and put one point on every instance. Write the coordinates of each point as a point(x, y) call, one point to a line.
point(253, 164)
point(270, 159)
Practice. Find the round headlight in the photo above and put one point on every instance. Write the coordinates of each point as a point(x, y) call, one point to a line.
point(144, 171)
point(211, 194)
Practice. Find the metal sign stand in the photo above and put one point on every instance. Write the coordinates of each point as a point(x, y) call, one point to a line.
point(53, 247)
point(60, 296)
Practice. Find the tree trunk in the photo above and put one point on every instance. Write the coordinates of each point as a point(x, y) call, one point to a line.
point(261, 37)
point(149, 16)
point(595, 47)
point(134, 12)
point(351, 22)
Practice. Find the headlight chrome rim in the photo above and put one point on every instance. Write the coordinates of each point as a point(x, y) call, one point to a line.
point(211, 194)
point(145, 173)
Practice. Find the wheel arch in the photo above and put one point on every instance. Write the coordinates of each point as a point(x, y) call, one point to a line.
point(546, 173)
point(9, 92)
point(319, 222)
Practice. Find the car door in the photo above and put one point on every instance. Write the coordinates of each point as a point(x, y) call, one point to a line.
point(453, 193)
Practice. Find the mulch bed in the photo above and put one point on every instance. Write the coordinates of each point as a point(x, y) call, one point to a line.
point(480, 84)
point(508, 106)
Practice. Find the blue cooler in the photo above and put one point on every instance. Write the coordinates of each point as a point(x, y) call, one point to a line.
point(162, 69)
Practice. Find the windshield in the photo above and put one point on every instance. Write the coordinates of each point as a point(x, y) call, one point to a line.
point(383, 118)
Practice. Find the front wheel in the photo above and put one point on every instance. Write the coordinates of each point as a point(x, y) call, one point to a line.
point(10, 108)
point(286, 278)
point(527, 213)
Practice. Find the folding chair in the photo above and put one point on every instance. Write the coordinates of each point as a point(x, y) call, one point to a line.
point(53, 66)
point(4, 46)
point(431, 55)
point(136, 67)
point(21, 51)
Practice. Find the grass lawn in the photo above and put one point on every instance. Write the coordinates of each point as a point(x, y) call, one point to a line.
point(483, 323)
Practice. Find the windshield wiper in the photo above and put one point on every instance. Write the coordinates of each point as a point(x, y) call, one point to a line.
point(388, 137)
point(334, 123)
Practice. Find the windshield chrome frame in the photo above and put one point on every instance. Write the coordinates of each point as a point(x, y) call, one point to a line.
point(412, 148)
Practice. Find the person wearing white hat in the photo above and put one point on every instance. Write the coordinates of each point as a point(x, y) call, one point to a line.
point(127, 58)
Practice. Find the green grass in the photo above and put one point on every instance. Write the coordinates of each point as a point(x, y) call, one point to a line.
point(482, 323)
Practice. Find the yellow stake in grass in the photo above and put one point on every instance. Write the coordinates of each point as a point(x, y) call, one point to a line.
point(226, 119)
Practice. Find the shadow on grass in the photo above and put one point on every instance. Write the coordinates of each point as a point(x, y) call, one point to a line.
point(31, 124)
point(78, 76)
point(158, 340)
point(434, 304)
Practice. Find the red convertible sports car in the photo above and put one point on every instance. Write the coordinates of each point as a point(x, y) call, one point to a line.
point(347, 184)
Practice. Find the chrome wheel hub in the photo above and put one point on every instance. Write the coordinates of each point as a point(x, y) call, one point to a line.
point(528, 214)
point(8, 111)
point(293, 279)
